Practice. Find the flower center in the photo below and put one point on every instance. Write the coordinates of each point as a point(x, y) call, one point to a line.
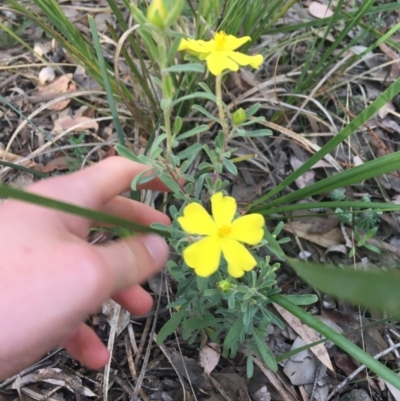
point(220, 40)
point(224, 231)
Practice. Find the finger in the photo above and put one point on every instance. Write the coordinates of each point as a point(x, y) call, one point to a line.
point(135, 211)
point(97, 184)
point(132, 261)
point(135, 299)
point(84, 345)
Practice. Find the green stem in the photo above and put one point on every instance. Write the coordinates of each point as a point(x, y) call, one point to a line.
point(341, 341)
point(218, 93)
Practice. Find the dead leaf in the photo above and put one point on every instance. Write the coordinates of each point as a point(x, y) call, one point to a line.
point(307, 178)
point(232, 385)
point(395, 67)
point(115, 316)
point(386, 109)
point(308, 335)
point(57, 164)
point(262, 394)
point(209, 357)
point(100, 20)
point(60, 86)
point(302, 367)
point(394, 391)
point(319, 10)
point(327, 239)
point(57, 377)
point(390, 125)
point(81, 124)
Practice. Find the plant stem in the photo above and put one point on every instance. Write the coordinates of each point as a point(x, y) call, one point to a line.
point(218, 93)
point(341, 341)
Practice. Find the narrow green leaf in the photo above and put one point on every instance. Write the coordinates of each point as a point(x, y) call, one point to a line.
point(195, 95)
point(384, 207)
point(193, 131)
point(172, 323)
point(192, 67)
point(373, 168)
point(364, 116)
point(202, 110)
point(373, 289)
point(264, 352)
point(258, 133)
point(24, 169)
point(14, 193)
point(302, 299)
point(125, 152)
point(342, 342)
point(106, 82)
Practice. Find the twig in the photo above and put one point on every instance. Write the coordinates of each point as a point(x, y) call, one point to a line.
point(358, 370)
point(168, 356)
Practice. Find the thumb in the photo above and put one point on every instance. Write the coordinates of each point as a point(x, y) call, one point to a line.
point(134, 260)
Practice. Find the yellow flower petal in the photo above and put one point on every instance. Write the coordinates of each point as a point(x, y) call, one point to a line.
point(197, 46)
point(203, 256)
point(223, 209)
point(217, 62)
point(239, 259)
point(196, 220)
point(243, 59)
point(233, 43)
point(248, 229)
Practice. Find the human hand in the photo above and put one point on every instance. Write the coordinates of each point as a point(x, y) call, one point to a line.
point(51, 278)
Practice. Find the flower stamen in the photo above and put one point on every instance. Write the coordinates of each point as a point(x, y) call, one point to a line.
point(224, 231)
point(220, 40)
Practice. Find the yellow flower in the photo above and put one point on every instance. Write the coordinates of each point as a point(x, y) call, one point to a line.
point(222, 235)
point(219, 52)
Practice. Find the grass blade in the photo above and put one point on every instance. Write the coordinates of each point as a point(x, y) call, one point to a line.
point(14, 193)
point(106, 82)
point(341, 341)
point(364, 116)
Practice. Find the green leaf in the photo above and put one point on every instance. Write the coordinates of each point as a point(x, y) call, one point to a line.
point(384, 207)
point(196, 323)
point(193, 149)
point(366, 114)
point(233, 334)
point(125, 152)
point(373, 168)
point(264, 352)
point(372, 248)
point(192, 67)
point(141, 179)
point(258, 133)
point(195, 95)
point(172, 323)
point(14, 193)
point(230, 166)
point(373, 289)
point(106, 82)
point(193, 131)
point(177, 125)
point(302, 299)
point(202, 110)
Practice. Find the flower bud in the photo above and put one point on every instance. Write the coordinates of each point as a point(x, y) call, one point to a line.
point(239, 117)
point(157, 13)
point(224, 285)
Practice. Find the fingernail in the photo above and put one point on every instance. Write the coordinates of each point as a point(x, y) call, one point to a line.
point(157, 247)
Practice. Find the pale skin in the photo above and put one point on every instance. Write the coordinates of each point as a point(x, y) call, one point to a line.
point(51, 278)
